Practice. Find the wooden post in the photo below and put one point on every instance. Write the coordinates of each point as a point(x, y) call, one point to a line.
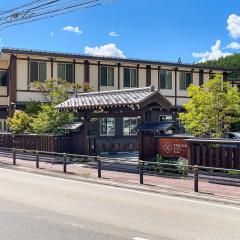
point(37, 159)
point(14, 156)
point(141, 170)
point(99, 167)
point(64, 162)
point(195, 170)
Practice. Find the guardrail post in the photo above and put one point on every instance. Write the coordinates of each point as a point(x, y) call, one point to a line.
point(14, 156)
point(195, 170)
point(141, 168)
point(64, 162)
point(37, 159)
point(99, 167)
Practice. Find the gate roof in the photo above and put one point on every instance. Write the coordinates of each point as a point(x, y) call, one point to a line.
point(135, 98)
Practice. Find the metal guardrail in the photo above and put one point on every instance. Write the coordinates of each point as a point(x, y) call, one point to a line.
point(193, 172)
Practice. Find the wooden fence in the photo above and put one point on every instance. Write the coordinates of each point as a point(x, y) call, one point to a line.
point(48, 143)
point(214, 153)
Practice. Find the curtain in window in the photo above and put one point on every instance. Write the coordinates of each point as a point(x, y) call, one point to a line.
point(33, 71)
point(182, 81)
point(69, 73)
point(107, 126)
point(110, 76)
point(162, 80)
point(126, 77)
point(42, 71)
point(188, 79)
point(104, 76)
point(61, 71)
point(133, 78)
point(168, 80)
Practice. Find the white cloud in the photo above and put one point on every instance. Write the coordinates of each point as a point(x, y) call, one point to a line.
point(51, 34)
point(108, 50)
point(233, 45)
point(234, 25)
point(215, 53)
point(113, 34)
point(72, 29)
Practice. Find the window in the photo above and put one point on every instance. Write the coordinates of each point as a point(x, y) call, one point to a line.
point(3, 125)
point(38, 71)
point(130, 77)
point(185, 80)
point(165, 80)
point(166, 118)
point(3, 78)
point(129, 124)
point(107, 76)
point(107, 126)
point(65, 72)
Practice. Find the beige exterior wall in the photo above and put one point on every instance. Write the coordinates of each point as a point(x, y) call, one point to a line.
point(26, 94)
point(79, 74)
point(4, 101)
point(3, 91)
point(142, 77)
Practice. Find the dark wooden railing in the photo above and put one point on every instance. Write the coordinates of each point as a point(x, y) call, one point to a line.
point(40, 142)
point(216, 153)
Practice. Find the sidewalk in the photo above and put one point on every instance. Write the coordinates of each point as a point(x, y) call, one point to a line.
point(169, 184)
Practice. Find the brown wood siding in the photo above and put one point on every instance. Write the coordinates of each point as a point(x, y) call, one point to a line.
point(12, 84)
point(86, 72)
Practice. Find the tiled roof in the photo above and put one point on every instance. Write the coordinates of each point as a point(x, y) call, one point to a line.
point(107, 99)
point(103, 58)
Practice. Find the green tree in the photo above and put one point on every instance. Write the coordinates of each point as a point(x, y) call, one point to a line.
point(20, 122)
point(43, 117)
point(57, 90)
point(212, 109)
point(50, 120)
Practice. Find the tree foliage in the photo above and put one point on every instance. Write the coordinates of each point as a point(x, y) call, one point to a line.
point(43, 117)
point(20, 123)
point(212, 109)
point(229, 62)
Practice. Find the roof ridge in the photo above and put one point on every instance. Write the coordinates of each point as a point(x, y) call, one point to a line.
point(151, 88)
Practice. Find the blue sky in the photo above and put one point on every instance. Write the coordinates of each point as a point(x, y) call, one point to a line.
point(148, 29)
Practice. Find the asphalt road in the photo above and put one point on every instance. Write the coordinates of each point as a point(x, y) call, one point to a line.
point(41, 207)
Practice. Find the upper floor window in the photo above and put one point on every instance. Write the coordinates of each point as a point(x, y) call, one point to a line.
point(185, 80)
point(107, 76)
point(165, 80)
point(130, 77)
point(107, 126)
point(3, 78)
point(65, 72)
point(38, 71)
point(129, 125)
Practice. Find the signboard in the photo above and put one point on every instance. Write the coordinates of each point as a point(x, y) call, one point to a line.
point(173, 147)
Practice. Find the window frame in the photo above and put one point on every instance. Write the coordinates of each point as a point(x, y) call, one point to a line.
point(130, 78)
point(108, 83)
point(38, 71)
point(181, 84)
point(165, 79)
point(107, 134)
point(65, 72)
point(130, 126)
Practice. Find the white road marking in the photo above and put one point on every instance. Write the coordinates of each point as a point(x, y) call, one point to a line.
point(126, 190)
point(138, 238)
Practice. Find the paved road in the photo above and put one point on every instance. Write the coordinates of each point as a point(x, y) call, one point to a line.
point(41, 207)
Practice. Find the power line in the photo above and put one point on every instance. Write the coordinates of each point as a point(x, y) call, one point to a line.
point(42, 9)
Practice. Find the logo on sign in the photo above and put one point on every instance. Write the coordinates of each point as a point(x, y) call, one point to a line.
point(167, 147)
